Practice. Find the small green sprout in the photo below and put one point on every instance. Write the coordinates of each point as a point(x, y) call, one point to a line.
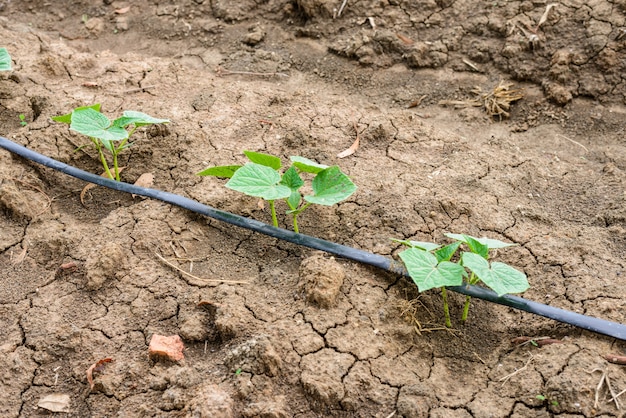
point(23, 120)
point(261, 178)
point(106, 134)
point(430, 266)
point(238, 372)
point(545, 399)
point(5, 60)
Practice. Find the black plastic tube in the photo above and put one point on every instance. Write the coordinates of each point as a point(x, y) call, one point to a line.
point(601, 326)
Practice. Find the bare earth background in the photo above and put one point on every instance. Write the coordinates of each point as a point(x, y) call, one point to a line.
point(309, 335)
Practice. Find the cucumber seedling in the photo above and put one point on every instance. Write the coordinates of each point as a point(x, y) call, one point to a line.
point(5, 60)
point(430, 266)
point(112, 136)
point(261, 177)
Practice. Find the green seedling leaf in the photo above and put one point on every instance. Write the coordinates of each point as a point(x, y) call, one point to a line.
point(95, 125)
point(446, 253)
point(294, 201)
point(500, 277)
point(306, 165)
point(131, 117)
point(292, 179)
point(426, 246)
point(489, 242)
point(225, 171)
point(427, 273)
point(476, 247)
point(494, 243)
point(330, 186)
point(264, 159)
point(5, 60)
point(259, 181)
point(67, 118)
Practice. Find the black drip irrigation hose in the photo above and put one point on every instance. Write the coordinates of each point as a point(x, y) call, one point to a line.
point(600, 326)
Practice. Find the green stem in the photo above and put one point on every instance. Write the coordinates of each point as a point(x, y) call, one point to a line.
point(472, 280)
point(466, 308)
point(295, 223)
point(446, 311)
point(273, 209)
point(103, 160)
point(115, 167)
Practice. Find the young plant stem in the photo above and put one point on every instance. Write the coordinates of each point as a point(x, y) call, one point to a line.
point(103, 160)
point(295, 223)
point(472, 280)
point(115, 167)
point(116, 151)
point(273, 210)
point(446, 311)
point(466, 309)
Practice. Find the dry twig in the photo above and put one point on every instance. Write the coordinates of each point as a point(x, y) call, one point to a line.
point(341, 8)
point(416, 102)
point(510, 375)
point(536, 341)
point(605, 381)
point(198, 280)
point(222, 72)
point(471, 65)
point(574, 142)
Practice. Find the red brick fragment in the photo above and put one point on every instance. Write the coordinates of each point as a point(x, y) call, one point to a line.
point(170, 347)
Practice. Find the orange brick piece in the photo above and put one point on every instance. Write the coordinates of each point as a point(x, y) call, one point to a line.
point(167, 347)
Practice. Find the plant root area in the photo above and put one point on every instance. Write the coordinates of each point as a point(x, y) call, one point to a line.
point(262, 328)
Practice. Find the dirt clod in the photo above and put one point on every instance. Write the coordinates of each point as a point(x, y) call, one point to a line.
point(105, 263)
point(256, 355)
point(210, 401)
point(322, 278)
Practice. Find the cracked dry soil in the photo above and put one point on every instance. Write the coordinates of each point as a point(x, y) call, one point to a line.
point(308, 335)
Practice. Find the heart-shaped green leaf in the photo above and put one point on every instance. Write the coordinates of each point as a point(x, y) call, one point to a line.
point(130, 117)
point(264, 159)
point(427, 273)
point(259, 181)
point(330, 186)
point(489, 242)
point(5, 60)
point(306, 165)
point(225, 171)
point(500, 277)
point(67, 118)
point(426, 246)
point(95, 125)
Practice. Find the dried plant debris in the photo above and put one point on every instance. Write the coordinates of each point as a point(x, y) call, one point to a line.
point(496, 103)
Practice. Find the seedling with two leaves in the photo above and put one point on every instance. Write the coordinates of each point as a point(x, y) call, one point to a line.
point(261, 177)
point(430, 266)
point(112, 136)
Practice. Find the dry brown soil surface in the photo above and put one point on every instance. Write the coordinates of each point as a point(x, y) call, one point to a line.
point(306, 334)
